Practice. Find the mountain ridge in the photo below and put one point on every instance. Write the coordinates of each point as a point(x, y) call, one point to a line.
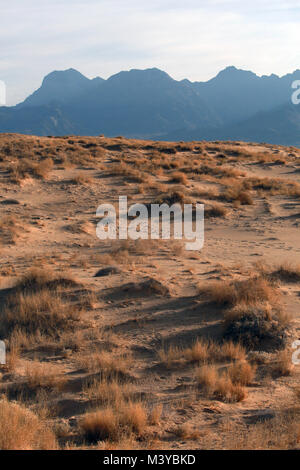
point(151, 104)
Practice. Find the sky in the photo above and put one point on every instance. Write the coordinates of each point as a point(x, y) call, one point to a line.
point(191, 39)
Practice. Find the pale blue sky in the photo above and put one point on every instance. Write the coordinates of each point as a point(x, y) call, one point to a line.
point(192, 39)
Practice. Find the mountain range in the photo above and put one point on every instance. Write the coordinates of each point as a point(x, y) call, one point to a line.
point(234, 105)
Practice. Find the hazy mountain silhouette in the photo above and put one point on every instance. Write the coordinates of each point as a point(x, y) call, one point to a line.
point(236, 104)
point(238, 94)
point(61, 87)
point(280, 126)
point(141, 103)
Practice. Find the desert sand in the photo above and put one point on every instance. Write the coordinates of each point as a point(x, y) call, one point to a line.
point(168, 348)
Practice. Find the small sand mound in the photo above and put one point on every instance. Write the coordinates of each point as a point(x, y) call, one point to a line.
point(108, 271)
point(148, 287)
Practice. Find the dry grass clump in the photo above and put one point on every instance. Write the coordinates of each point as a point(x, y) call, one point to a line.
point(278, 186)
point(25, 168)
point(107, 390)
point(173, 197)
point(101, 425)
point(179, 177)
point(166, 147)
point(106, 362)
point(171, 355)
point(206, 377)
point(218, 171)
point(129, 173)
point(155, 415)
point(219, 385)
point(283, 365)
point(41, 312)
point(119, 254)
point(12, 355)
point(229, 351)
point(134, 417)
point(287, 272)
point(280, 432)
point(215, 210)
point(237, 194)
point(43, 376)
point(228, 391)
point(202, 352)
point(82, 179)
point(10, 229)
point(21, 429)
point(38, 278)
point(42, 169)
point(230, 293)
point(112, 423)
point(206, 193)
point(257, 325)
point(187, 432)
point(242, 373)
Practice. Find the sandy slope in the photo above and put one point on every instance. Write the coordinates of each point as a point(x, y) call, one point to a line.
point(58, 230)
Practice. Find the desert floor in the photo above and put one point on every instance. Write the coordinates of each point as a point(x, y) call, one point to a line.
point(135, 357)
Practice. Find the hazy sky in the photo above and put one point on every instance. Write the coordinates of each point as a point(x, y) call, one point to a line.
point(192, 39)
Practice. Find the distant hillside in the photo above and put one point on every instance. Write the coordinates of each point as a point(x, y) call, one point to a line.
point(280, 126)
point(236, 104)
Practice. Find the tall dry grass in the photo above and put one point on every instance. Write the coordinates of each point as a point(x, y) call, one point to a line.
point(21, 429)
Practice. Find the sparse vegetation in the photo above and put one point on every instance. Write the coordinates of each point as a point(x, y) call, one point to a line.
point(43, 376)
point(179, 177)
point(257, 326)
point(219, 385)
point(34, 312)
point(11, 228)
point(110, 423)
point(249, 291)
point(283, 365)
point(104, 361)
point(21, 429)
point(36, 305)
point(82, 179)
point(287, 272)
point(202, 351)
point(148, 340)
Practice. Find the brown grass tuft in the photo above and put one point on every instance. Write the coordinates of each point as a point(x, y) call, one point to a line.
point(230, 293)
point(219, 384)
point(101, 425)
point(37, 312)
point(11, 228)
point(257, 325)
point(187, 431)
point(82, 180)
point(242, 373)
point(43, 376)
point(38, 278)
point(179, 177)
point(112, 423)
point(283, 365)
point(21, 429)
point(287, 272)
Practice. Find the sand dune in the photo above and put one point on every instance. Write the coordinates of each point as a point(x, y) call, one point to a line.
point(167, 348)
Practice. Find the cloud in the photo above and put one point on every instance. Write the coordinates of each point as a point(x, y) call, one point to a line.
point(192, 39)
